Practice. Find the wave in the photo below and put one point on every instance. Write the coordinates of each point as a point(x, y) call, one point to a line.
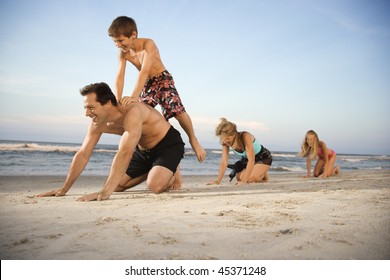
point(274, 154)
point(354, 160)
point(219, 152)
point(190, 152)
point(285, 155)
point(287, 169)
point(357, 159)
point(105, 151)
point(35, 147)
point(38, 147)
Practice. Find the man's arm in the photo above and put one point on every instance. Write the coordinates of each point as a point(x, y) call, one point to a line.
point(79, 162)
point(129, 140)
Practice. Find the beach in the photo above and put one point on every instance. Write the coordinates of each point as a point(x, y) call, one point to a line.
point(288, 218)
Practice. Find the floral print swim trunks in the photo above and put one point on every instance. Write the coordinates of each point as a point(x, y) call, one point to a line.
point(160, 89)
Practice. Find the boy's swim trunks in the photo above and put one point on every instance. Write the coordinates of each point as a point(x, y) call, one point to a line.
point(160, 89)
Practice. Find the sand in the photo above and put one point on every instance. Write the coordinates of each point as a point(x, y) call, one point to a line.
point(288, 218)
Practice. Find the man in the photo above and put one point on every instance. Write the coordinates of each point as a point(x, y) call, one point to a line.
point(150, 148)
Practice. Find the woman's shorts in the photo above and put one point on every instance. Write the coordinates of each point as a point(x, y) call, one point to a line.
point(262, 157)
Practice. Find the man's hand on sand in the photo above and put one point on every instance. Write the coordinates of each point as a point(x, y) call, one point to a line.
point(94, 196)
point(58, 192)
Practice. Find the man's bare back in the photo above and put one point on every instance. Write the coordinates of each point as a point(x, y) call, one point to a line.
point(154, 127)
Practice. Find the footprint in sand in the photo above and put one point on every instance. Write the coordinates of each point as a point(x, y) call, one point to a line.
point(105, 220)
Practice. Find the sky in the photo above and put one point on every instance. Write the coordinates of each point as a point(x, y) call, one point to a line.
point(275, 68)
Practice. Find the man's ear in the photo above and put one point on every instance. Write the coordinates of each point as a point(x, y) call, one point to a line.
point(108, 104)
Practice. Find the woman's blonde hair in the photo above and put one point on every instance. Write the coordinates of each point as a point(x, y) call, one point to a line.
point(226, 127)
point(306, 150)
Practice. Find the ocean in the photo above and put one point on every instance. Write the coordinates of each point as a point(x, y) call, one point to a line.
point(47, 158)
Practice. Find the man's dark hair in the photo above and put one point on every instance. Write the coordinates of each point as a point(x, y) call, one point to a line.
point(102, 91)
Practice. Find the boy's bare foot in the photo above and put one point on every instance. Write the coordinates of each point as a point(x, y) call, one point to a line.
point(199, 151)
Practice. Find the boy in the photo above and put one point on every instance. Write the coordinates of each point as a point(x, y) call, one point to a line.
point(155, 84)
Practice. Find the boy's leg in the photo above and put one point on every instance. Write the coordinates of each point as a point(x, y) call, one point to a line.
point(161, 90)
point(186, 123)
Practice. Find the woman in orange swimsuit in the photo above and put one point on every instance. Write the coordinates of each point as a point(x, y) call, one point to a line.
point(313, 148)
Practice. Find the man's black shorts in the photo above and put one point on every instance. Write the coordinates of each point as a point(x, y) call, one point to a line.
point(167, 153)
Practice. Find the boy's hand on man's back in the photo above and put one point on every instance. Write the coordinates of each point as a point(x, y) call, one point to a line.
point(127, 100)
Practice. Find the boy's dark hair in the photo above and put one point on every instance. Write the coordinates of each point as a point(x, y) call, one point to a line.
point(103, 93)
point(122, 26)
